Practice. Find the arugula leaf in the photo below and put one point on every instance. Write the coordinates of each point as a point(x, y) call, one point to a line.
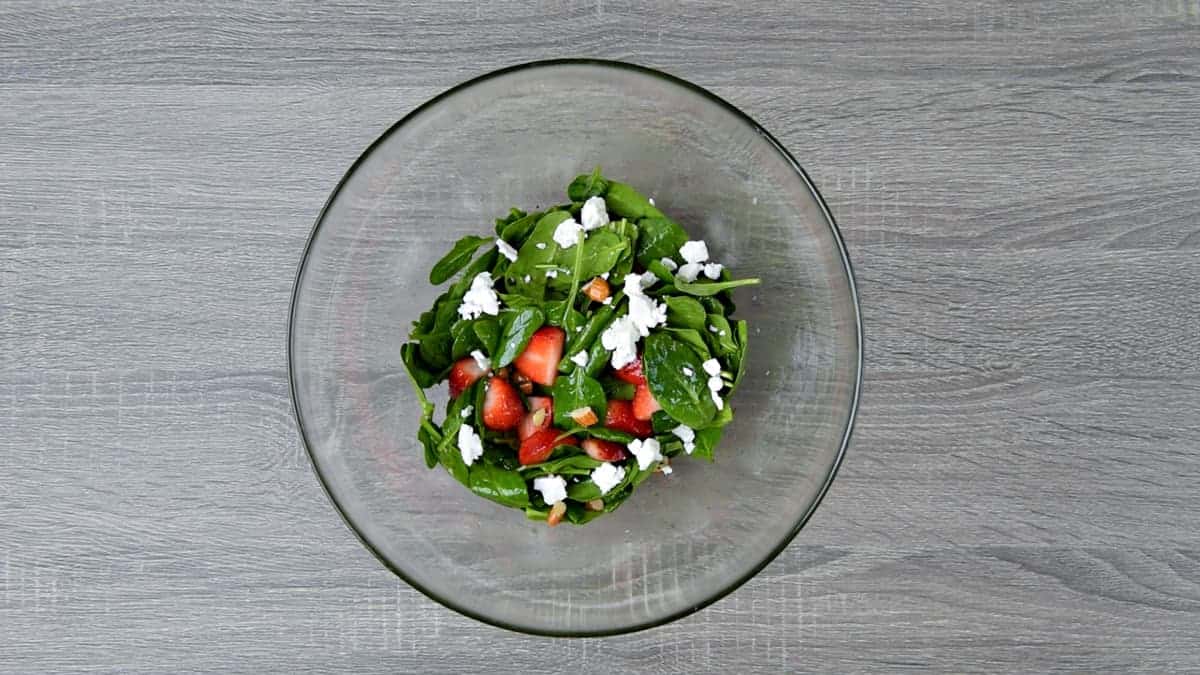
point(519, 327)
point(685, 312)
point(722, 341)
point(627, 202)
point(456, 259)
point(683, 397)
point(499, 485)
point(575, 391)
point(660, 238)
point(705, 288)
point(587, 185)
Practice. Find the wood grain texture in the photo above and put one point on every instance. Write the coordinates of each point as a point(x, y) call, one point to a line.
point(1018, 185)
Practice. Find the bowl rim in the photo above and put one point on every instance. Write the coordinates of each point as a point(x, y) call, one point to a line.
point(851, 417)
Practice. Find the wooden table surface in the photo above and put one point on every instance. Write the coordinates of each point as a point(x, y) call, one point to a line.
point(1019, 188)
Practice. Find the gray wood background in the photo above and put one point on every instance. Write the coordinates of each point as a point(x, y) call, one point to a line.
point(1019, 186)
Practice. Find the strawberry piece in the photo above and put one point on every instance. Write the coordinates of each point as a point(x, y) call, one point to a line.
point(632, 373)
point(604, 451)
point(539, 361)
point(540, 416)
point(537, 448)
point(644, 405)
point(502, 409)
point(463, 374)
point(620, 417)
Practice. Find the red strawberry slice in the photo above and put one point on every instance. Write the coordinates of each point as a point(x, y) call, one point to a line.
point(644, 405)
point(632, 373)
point(620, 417)
point(463, 374)
point(540, 416)
point(539, 361)
point(502, 409)
point(537, 448)
point(604, 451)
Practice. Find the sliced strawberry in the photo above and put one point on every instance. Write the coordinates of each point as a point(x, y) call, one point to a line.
point(644, 405)
point(620, 417)
point(463, 374)
point(604, 451)
point(537, 448)
point(539, 361)
point(632, 373)
point(502, 409)
point(540, 416)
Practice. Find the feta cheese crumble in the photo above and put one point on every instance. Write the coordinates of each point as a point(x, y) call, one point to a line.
point(689, 272)
point(568, 233)
point(466, 412)
point(645, 312)
point(580, 359)
point(469, 444)
point(607, 476)
point(687, 435)
point(717, 399)
point(712, 270)
point(712, 367)
point(481, 360)
point(541, 246)
point(550, 274)
point(480, 298)
point(695, 251)
point(651, 200)
point(713, 329)
point(688, 371)
point(608, 300)
point(647, 451)
point(506, 250)
point(553, 488)
point(621, 339)
point(667, 471)
point(669, 264)
point(594, 214)
point(528, 278)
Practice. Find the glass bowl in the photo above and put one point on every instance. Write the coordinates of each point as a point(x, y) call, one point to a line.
point(516, 137)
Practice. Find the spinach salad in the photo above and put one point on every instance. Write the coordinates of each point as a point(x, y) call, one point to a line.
point(586, 346)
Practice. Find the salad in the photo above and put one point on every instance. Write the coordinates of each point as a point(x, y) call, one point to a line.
point(587, 346)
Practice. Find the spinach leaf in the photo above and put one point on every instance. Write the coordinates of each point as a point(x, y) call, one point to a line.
point(685, 312)
point(601, 250)
point(421, 374)
point(742, 331)
point(691, 338)
point(447, 450)
point(514, 214)
point(582, 340)
point(429, 443)
point(684, 397)
point(518, 230)
point(428, 433)
point(627, 202)
point(519, 327)
point(724, 416)
point(572, 465)
point(487, 329)
point(534, 513)
point(464, 339)
point(606, 434)
point(705, 288)
point(624, 264)
point(618, 389)
point(499, 485)
point(586, 490)
point(535, 256)
point(575, 391)
point(722, 341)
point(706, 442)
point(587, 185)
point(456, 259)
point(660, 238)
point(583, 491)
point(661, 422)
point(598, 357)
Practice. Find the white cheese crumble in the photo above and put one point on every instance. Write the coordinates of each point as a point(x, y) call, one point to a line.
point(550, 274)
point(689, 272)
point(608, 300)
point(645, 312)
point(695, 251)
point(567, 233)
point(687, 435)
point(480, 299)
point(647, 451)
point(604, 276)
point(667, 471)
point(594, 214)
point(506, 250)
point(651, 200)
point(621, 339)
point(466, 412)
point(580, 359)
point(528, 278)
point(469, 444)
point(713, 329)
point(553, 488)
point(712, 367)
point(716, 398)
point(481, 360)
point(607, 476)
point(712, 270)
point(688, 371)
point(669, 264)
point(715, 383)
point(541, 246)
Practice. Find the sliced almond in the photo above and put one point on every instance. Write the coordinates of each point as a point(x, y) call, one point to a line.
point(556, 513)
point(594, 505)
point(597, 289)
point(584, 417)
point(539, 417)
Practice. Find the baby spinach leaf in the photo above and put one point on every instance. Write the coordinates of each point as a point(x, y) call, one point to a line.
point(581, 340)
point(583, 491)
point(705, 288)
point(587, 185)
point(661, 422)
point(421, 374)
point(724, 416)
point(691, 338)
point(606, 434)
point(742, 331)
point(685, 312)
point(487, 329)
point(518, 230)
point(660, 238)
point(627, 202)
point(706, 442)
point(572, 465)
point(499, 485)
point(447, 450)
point(598, 358)
point(464, 339)
point(534, 513)
point(514, 214)
point(575, 391)
point(519, 327)
point(456, 259)
point(618, 389)
point(429, 443)
point(684, 397)
point(722, 341)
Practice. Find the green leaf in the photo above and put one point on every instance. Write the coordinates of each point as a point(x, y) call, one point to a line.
point(583, 491)
point(464, 339)
point(518, 230)
point(684, 397)
point(447, 450)
point(575, 391)
point(627, 202)
point(456, 259)
point(661, 422)
point(618, 389)
point(572, 465)
point(534, 513)
point(724, 416)
point(706, 288)
point(430, 443)
point(499, 485)
point(722, 340)
point(587, 185)
point(420, 373)
point(514, 214)
point(535, 256)
point(606, 434)
point(742, 333)
point(685, 312)
point(660, 238)
point(691, 338)
point(487, 329)
point(706, 442)
point(519, 327)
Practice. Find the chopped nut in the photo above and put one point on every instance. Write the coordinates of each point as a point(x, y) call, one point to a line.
point(523, 383)
point(539, 416)
point(584, 417)
point(503, 372)
point(597, 289)
point(556, 513)
point(594, 505)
